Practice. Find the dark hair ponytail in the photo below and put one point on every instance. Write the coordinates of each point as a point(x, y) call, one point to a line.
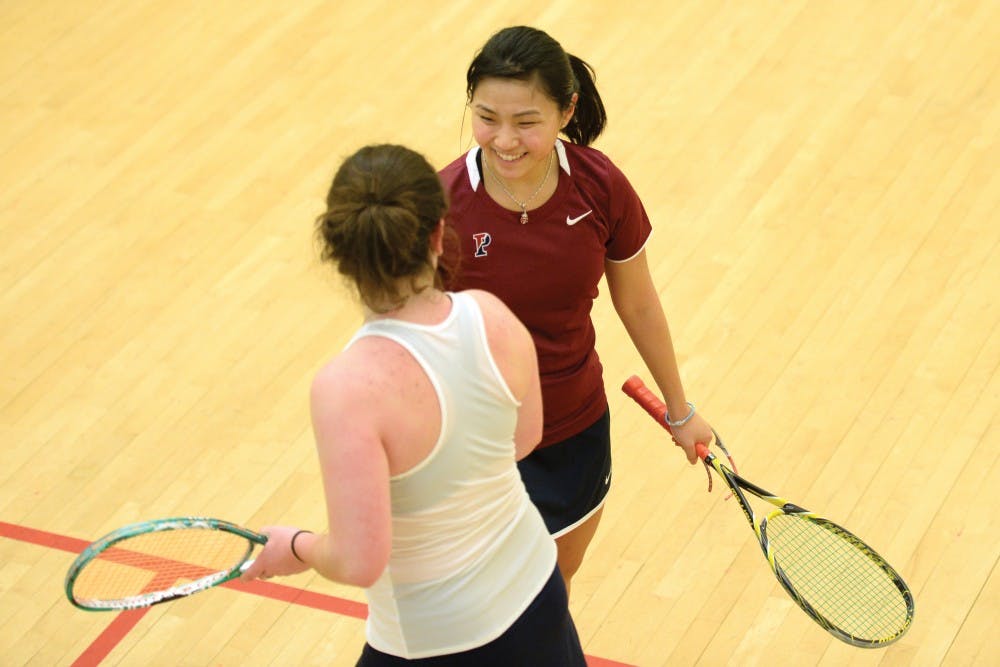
point(382, 207)
point(589, 119)
point(524, 53)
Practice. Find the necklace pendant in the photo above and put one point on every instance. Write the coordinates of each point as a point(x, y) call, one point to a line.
point(522, 204)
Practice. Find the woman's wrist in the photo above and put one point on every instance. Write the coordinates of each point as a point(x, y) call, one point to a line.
point(675, 423)
point(292, 544)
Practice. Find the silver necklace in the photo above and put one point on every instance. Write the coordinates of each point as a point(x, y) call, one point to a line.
point(523, 205)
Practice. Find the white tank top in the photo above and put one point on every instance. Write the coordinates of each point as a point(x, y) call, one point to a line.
point(469, 550)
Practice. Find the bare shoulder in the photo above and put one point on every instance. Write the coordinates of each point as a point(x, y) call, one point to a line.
point(499, 319)
point(508, 339)
point(358, 379)
point(488, 302)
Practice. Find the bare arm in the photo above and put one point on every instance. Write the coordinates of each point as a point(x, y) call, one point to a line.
point(529, 415)
point(355, 548)
point(638, 305)
point(514, 352)
point(355, 472)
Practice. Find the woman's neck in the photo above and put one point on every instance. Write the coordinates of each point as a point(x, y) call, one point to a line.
point(531, 190)
point(421, 305)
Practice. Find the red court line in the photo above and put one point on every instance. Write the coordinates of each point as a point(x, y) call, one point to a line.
point(112, 635)
point(301, 597)
point(42, 538)
point(154, 563)
point(120, 626)
point(126, 620)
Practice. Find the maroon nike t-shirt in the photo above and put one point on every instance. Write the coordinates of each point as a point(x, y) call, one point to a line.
point(547, 271)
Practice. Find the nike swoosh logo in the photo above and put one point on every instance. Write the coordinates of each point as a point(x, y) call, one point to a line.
point(572, 221)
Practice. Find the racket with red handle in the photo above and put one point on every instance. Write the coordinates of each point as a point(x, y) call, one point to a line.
point(830, 573)
point(637, 390)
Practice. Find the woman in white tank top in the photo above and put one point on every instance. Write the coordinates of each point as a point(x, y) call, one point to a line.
point(418, 423)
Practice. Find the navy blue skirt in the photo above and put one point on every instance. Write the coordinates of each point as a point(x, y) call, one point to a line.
point(568, 480)
point(543, 635)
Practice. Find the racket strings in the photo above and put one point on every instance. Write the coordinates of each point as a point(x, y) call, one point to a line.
point(158, 561)
point(839, 576)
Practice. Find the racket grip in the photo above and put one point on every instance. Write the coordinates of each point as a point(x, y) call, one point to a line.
point(636, 389)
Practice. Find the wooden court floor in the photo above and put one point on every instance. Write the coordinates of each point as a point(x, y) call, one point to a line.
point(824, 183)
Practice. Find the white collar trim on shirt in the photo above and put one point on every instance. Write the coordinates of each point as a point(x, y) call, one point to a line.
point(473, 168)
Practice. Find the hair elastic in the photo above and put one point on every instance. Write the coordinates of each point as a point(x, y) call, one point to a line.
point(294, 552)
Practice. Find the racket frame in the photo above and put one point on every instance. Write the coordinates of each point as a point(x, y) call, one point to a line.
point(94, 550)
point(636, 389)
point(738, 485)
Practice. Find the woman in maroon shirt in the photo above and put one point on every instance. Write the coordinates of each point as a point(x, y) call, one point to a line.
point(539, 222)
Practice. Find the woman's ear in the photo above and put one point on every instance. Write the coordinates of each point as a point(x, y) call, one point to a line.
point(437, 239)
point(568, 112)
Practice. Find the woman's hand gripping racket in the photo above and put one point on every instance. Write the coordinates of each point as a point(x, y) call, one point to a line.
point(657, 409)
point(147, 563)
point(837, 579)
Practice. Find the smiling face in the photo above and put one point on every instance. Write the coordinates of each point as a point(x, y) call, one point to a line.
point(516, 124)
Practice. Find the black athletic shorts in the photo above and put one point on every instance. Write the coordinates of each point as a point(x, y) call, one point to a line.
point(569, 480)
point(543, 635)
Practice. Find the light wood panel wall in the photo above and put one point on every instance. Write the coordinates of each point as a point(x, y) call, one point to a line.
point(823, 181)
